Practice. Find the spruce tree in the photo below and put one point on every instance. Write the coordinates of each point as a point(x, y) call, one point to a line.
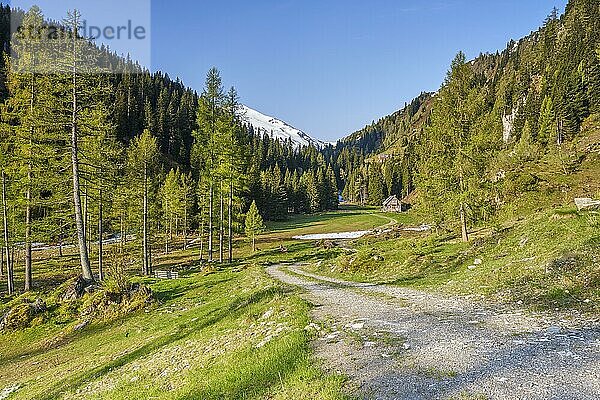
point(593, 81)
point(448, 174)
point(207, 143)
point(375, 187)
point(332, 186)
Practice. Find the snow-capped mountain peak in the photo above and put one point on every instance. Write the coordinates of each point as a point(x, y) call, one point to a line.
point(277, 128)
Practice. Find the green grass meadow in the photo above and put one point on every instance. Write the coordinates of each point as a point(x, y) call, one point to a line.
point(234, 333)
point(230, 334)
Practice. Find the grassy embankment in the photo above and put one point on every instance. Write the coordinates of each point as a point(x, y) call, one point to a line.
point(549, 259)
point(229, 333)
point(540, 251)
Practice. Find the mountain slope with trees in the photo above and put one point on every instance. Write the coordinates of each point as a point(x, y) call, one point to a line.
point(143, 155)
point(501, 126)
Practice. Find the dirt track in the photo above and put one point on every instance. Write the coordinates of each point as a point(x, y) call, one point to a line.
point(396, 343)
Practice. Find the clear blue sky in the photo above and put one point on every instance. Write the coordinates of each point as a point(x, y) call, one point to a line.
point(328, 67)
point(331, 67)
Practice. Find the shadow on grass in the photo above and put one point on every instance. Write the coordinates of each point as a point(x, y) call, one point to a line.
point(97, 328)
point(164, 292)
point(232, 310)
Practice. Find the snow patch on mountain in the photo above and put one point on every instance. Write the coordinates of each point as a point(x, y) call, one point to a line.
point(277, 129)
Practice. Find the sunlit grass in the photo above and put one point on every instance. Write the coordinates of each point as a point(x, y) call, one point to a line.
point(202, 341)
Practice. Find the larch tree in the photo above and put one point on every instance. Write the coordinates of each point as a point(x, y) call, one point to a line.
point(547, 122)
point(83, 90)
point(254, 224)
point(102, 155)
point(202, 199)
point(448, 176)
point(30, 115)
point(5, 150)
point(187, 202)
point(233, 161)
point(172, 204)
point(142, 158)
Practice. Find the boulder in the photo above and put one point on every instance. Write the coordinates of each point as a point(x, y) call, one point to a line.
point(21, 315)
point(587, 204)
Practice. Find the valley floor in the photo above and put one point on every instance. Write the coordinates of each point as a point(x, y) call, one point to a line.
point(249, 330)
point(399, 343)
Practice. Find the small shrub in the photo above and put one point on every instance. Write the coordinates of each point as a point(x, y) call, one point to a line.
point(107, 305)
point(117, 280)
point(67, 311)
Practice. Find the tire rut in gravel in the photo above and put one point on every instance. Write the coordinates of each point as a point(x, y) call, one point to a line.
point(397, 343)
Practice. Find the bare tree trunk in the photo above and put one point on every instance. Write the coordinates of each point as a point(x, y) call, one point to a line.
point(171, 229)
point(81, 239)
point(122, 227)
point(185, 224)
point(100, 237)
point(201, 235)
point(230, 223)
point(463, 223)
point(146, 264)
point(463, 217)
point(13, 258)
point(60, 244)
point(210, 222)
point(167, 222)
point(2, 262)
point(28, 253)
point(86, 220)
point(221, 223)
point(253, 243)
point(9, 266)
point(176, 228)
point(166, 232)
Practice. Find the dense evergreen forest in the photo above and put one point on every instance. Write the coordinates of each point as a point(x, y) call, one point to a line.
point(86, 157)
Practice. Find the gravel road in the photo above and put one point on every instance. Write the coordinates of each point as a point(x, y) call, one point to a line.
point(397, 343)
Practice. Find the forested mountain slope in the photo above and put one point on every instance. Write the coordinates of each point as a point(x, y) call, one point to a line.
point(501, 125)
point(126, 151)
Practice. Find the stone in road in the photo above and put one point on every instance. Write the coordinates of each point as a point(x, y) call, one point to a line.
point(397, 343)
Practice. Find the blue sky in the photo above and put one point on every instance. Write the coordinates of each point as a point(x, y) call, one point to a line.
point(328, 67)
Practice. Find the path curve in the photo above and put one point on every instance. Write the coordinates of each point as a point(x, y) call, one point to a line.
point(397, 343)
